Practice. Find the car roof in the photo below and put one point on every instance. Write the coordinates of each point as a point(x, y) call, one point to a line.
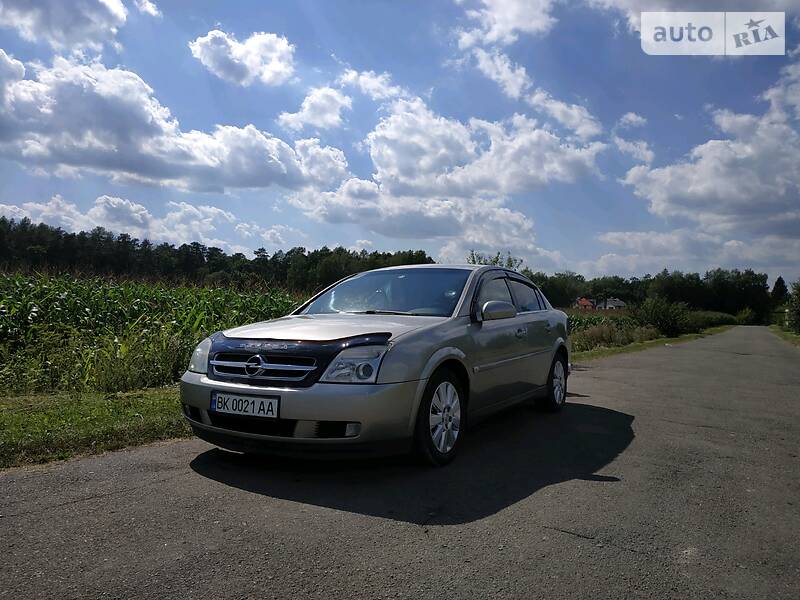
point(431, 266)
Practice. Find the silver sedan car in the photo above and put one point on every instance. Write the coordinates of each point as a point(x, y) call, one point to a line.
point(391, 360)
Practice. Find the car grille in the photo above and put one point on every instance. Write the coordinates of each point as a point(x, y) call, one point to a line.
point(272, 367)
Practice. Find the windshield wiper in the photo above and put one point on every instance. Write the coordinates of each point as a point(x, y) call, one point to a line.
point(374, 311)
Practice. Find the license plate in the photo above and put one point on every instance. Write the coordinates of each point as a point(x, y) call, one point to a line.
point(251, 406)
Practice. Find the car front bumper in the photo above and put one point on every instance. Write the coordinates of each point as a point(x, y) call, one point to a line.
point(311, 420)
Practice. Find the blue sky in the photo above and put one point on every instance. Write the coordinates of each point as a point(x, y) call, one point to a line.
point(532, 126)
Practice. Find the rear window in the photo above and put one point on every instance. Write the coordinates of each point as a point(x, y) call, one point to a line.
point(525, 296)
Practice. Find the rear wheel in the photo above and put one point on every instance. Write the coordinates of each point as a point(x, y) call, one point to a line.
point(440, 420)
point(556, 386)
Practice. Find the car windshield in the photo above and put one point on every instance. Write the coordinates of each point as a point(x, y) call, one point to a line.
point(426, 292)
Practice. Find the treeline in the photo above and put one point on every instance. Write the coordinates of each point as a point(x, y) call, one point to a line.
point(27, 246)
point(729, 291)
point(721, 290)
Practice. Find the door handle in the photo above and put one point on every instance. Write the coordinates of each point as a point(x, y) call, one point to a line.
point(521, 332)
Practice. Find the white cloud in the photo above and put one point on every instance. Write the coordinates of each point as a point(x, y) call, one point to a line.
point(511, 78)
point(638, 149)
point(572, 116)
point(148, 7)
point(676, 243)
point(361, 245)
point(323, 165)
point(416, 152)
point(376, 86)
point(182, 223)
point(461, 223)
point(437, 178)
point(691, 250)
point(631, 119)
point(275, 235)
point(748, 182)
point(10, 211)
point(412, 144)
point(75, 117)
point(87, 24)
point(500, 21)
point(264, 57)
point(321, 108)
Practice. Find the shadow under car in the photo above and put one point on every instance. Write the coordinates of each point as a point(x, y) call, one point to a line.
point(504, 459)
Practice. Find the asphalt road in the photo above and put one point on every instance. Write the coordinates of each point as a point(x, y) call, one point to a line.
point(673, 473)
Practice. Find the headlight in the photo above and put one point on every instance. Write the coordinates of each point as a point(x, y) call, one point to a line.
point(199, 361)
point(355, 365)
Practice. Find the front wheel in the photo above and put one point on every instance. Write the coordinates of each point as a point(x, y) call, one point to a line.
point(440, 420)
point(556, 386)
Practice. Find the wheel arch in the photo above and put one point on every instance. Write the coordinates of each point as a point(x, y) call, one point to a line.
point(451, 358)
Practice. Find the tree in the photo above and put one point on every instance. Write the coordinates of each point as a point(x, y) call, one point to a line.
point(780, 293)
point(498, 260)
point(24, 245)
point(676, 286)
point(609, 286)
point(794, 308)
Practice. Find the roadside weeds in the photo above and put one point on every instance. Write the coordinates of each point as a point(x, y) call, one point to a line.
point(788, 336)
point(638, 346)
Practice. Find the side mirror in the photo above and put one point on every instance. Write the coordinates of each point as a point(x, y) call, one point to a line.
point(495, 309)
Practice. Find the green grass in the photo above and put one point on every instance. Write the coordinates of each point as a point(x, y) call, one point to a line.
point(636, 347)
point(790, 337)
point(45, 427)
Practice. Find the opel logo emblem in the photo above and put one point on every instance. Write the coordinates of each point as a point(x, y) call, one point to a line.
point(254, 366)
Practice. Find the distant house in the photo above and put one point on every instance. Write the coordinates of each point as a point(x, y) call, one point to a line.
point(610, 304)
point(584, 304)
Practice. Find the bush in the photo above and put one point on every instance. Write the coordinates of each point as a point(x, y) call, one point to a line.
point(703, 319)
point(746, 316)
point(670, 318)
point(606, 335)
point(794, 308)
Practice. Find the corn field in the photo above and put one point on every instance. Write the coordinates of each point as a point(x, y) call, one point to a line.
point(62, 332)
point(581, 320)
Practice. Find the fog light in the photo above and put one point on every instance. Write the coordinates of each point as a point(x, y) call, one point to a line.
point(352, 429)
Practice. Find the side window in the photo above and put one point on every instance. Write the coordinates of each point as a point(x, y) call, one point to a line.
point(493, 289)
point(542, 299)
point(526, 297)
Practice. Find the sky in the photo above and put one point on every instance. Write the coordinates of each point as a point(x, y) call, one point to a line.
point(536, 127)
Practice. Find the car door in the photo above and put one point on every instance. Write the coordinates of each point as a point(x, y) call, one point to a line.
point(534, 315)
point(498, 346)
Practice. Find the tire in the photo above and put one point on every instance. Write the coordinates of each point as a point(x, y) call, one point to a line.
point(437, 442)
point(556, 386)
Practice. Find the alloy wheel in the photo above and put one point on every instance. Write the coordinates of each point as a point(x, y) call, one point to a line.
point(559, 382)
point(445, 417)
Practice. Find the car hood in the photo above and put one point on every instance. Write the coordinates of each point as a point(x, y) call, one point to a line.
point(325, 327)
